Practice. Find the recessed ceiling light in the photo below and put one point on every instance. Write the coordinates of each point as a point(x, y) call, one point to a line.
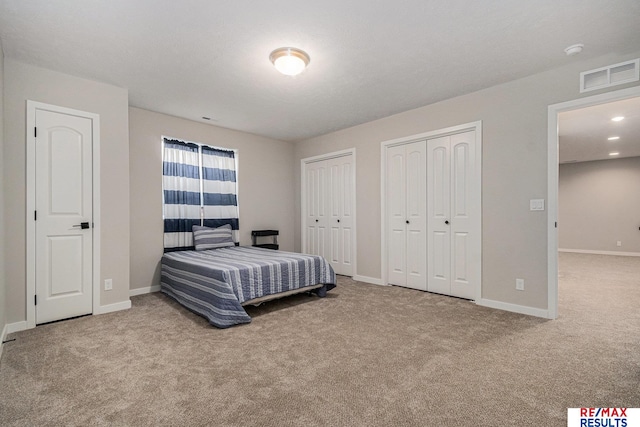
point(289, 60)
point(615, 153)
point(617, 119)
point(613, 138)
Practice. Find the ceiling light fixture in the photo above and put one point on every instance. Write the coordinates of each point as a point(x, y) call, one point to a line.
point(617, 119)
point(613, 138)
point(289, 60)
point(615, 153)
point(574, 49)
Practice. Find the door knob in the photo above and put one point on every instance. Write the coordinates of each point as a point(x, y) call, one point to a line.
point(338, 220)
point(316, 220)
point(446, 221)
point(407, 221)
point(82, 225)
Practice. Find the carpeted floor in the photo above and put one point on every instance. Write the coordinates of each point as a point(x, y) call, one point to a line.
point(364, 356)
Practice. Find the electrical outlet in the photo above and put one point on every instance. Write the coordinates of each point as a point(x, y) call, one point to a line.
point(520, 284)
point(108, 284)
point(618, 243)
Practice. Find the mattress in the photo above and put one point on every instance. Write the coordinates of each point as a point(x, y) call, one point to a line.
point(216, 283)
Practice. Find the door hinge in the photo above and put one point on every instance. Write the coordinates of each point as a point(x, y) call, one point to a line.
point(35, 215)
point(556, 224)
point(35, 299)
point(35, 132)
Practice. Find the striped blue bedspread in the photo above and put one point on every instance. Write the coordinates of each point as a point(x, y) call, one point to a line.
point(214, 283)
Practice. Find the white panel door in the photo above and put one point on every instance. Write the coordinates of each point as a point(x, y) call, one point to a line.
point(453, 216)
point(416, 215)
point(329, 219)
point(464, 217)
point(396, 194)
point(340, 215)
point(317, 210)
point(406, 215)
point(439, 229)
point(311, 220)
point(63, 181)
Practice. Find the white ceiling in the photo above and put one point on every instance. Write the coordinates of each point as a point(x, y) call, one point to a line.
point(369, 58)
point(583, 134)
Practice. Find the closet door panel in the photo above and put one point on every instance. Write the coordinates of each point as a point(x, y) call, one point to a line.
point(397, 258)
point(340, 218)
point(438, 206)
point(396, 184)
point(415, 259)
point(416, 215)
point(439, 267)
point(460, 180)
point(334, 208)
point(317, 212)
point(347, 188)
point(465, 208)
point(460, 258)
point(312, 219)
point(346, 249)
point(439, 186)
point(334, 248)
point(396, 190)
point(347, 198)
point(312, 245)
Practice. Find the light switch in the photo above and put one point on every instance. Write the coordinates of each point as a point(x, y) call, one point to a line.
point(536, 204)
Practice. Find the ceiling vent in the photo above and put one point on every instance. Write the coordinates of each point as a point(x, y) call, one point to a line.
point(611, 75)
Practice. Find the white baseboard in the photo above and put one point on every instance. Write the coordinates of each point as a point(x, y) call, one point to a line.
point(16, 327)
point(366, 279)
point(586, 251)
point(2, 338)
point(10, 328)
point(142, 291)
point(521, 309)
point(104, 309)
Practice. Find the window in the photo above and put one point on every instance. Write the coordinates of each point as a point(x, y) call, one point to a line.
point(199, 187)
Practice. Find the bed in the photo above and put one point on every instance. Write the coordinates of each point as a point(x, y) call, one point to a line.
point(217, 283)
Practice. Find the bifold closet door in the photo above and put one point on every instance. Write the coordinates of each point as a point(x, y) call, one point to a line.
point(317, 210)
point(406, 215)
point(453, 211)
point(329, 212)
point(340, 218)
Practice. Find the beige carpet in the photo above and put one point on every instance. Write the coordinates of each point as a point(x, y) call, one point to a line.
point(364, 356)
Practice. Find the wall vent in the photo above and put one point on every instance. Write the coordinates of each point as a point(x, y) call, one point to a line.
point(611, 75)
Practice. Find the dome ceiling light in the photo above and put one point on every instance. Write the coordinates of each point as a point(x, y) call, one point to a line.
point(289, 60)
point(574, 49)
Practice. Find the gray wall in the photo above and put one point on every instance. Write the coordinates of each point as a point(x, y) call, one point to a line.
point(265, 185)
point(3, 241)
point(25, 82)
point(514, 161)
point(599, 204)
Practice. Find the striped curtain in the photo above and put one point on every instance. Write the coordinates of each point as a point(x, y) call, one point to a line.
point(181, 192)
point(199, 188)
point(219, 189)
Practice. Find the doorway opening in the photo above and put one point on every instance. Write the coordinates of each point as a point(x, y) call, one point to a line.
point(560, 119)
